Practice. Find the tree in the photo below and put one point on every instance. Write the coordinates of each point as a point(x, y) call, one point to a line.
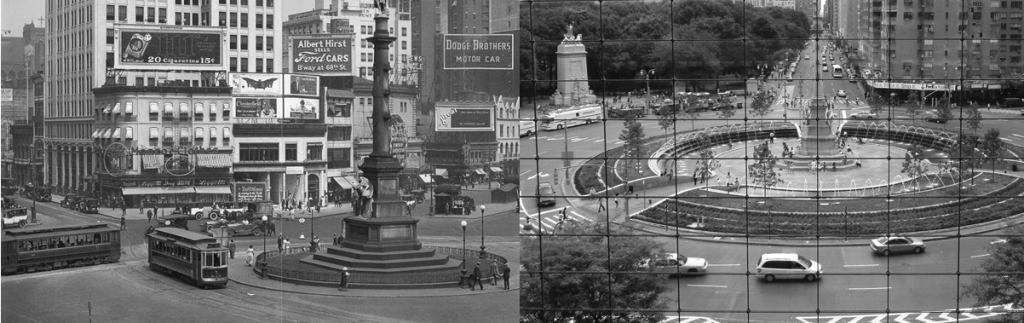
point(944, 109)
point(992, 147)
point(633, 138)
point(726, 112)
point(575, 277)
point(994, 286)
point(914, 164)
point(762, 171)
point(875, 102)
point(761, 105)
point(690, 111)
point(666, 117)
point(914, 108)
point(973, 117)
point(963, 155)
point(706, 161)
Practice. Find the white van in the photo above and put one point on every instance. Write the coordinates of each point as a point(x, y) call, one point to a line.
point(773, 266)
point(527, 128)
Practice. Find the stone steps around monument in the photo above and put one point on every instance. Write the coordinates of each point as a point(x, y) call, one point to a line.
point(409, 266)
point(390, 255)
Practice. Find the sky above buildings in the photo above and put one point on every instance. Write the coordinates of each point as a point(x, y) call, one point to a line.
point(14, 14)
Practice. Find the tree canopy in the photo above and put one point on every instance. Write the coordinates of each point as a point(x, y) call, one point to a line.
point(994, 286)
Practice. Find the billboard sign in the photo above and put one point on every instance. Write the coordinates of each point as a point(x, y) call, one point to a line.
point(307, 85)
point(325, 54)
point(169, 48)
point(464, 119)
point(256, 84)
point(249, 191)
point(301, 108)
point(478, 52)
point(257, 108)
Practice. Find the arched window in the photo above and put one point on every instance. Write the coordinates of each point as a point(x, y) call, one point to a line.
point(200, 138)
point(200, 112)
point(213, 136)
point(226, 137)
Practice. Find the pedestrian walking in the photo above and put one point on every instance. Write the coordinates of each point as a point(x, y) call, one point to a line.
point(122, 222)
point(344, 279)
point(600, 204)
point(273, 229)
point(149, 215)
point(318, 202)
point(231, 248)
point(506, 273)
point(616, 201)
point(287, 245)
point(495, 273)
point(695, 178)
point(477, 280)
point(250, 256)
point(124, 210)
point(280, 241)
point(565, 215)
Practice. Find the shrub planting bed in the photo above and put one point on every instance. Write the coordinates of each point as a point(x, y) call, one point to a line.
point(995, 204)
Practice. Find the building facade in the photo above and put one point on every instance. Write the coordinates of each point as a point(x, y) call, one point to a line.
point(23, 105)
point(80, 43)
point(507, 132)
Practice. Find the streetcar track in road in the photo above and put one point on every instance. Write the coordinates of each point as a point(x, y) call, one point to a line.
point(708, 286)
point(867, 265)
point(722, 265)
point(869, 288)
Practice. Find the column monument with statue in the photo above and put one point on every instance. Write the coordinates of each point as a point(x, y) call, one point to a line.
point(571, 64)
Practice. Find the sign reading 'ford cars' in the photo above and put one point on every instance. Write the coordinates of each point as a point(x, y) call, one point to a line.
point(322, 54)
point(478, 52)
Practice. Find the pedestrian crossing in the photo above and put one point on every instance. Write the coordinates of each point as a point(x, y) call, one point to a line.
point(688, 319)
point(947, 316)
point(550, 220)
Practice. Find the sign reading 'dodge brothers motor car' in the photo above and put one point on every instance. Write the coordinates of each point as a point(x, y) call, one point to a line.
point(478, 52)
point(463, 119)
point(161, 49)
point(249, 191)
point(321, 54)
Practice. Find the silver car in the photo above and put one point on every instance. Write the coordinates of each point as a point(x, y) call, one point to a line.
point(864, 115)
point(675, 264)
point(884, 246)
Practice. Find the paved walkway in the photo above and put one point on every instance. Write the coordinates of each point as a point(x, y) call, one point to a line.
point(508, 247)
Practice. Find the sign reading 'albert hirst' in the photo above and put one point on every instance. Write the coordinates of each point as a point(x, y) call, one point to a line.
point(478, 52)
point(320, 54)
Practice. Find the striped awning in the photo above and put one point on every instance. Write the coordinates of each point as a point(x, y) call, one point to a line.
point(496, 169)
point(227, 132)
point(183, 108)
point(117, 133)
point(168, 132)
point(342, 182)
point(441, 172)
point(200, 109)
point(427, 179)
point(480, 171)
point(157, 190)
point(108, 133)
point(96, 133)
point(218, 189)
point(106, 110)
point(117, 108)
point(168, 108)
point(213, 160)
point(152, 161)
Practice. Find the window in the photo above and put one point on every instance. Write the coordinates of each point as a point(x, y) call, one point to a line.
point(270, 65)
point(259, 43)
point(245, 64)
point(226, 113)
point(151, 14)
point(110, 37)
point(110, 12)
point(234, 42)
point(339, 157)
point(403, 31)
point(314, 151)
point(200, 137)
point(270, 3)
point(258, 152)
point(259, 3)
point(245, 42)
point(343, 110)
point(404, 45)
point(223, 19)
point(200, 112)
point(140, 14)
point(291, 152)
point(259, 21)
point(245, 19)
point(234, 63)
point(122, 13)
point(163, 15)
point(234, 19)
point(270, 21)
point(259, 65)
point(226, 137)
point(154, 111)
point(339, 133)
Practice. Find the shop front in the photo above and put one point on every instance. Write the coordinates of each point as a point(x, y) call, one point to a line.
point(289, 185)
point(169, 192)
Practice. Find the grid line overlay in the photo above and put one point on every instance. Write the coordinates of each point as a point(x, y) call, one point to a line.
point(601, 252)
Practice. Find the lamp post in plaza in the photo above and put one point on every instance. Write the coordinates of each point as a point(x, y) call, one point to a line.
point(463, 247)
point(482, 209)
point(264, 233)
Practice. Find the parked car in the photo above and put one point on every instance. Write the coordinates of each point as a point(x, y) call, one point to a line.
point(772, 266)
point(864, 115)
point(1011, 103)
point(70, 201)
point(241, 228)
point(546, 195)
point(886, 245)
point(89, 205)
point(675, 264)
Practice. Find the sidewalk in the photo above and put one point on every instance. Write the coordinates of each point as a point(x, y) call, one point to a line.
point(508, 247)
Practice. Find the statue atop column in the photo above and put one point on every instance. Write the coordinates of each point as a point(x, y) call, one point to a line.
point(569, 36)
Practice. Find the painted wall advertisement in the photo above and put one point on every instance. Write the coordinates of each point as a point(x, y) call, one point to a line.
point(256, 84)
point(169, 48)
point(249, 191)
point(464, 119)
point(257, 108)
point(325, 53)
point(300, 108)
point(478, 52)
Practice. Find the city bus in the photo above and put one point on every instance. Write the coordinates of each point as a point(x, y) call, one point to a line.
point(837, 71)
point(571, 116)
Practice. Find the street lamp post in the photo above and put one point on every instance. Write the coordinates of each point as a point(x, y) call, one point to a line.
point(463, 248)
point(264, 233)
point(482, 247)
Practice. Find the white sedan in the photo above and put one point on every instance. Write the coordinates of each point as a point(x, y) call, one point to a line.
point(864, 115)
point(675, 264)
point(841, 93)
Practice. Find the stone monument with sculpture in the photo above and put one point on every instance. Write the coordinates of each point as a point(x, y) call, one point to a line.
point(571, 64)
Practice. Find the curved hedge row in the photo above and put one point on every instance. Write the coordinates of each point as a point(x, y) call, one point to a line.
point(973, 210)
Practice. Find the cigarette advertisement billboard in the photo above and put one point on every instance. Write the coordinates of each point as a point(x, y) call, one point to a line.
point(169, 48)
point(249, 191)
point(256, 84)
point(464, 118)
point(301, 108)
point(257, 107)
point(324, 54)
point(478, 52)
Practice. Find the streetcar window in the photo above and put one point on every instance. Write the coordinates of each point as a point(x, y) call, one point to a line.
point(96, 238)
point(217, 259)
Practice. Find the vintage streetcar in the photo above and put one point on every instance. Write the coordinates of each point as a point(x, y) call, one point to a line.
point(194, 258)
point(45, 248)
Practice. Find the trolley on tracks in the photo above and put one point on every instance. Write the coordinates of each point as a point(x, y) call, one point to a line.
point(52, 247)
point(194, 258)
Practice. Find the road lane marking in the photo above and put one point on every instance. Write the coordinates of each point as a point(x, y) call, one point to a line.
point(979, 256)
point(998, 241)
point(722, 265)
point(870, 265)
point(869, 288)
point(526, 172)
point(709, 286)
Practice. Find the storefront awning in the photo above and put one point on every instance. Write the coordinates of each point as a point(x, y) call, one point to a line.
point(117, 133)
point(152, 161)
point(96, 133)
point(480, 171)
point(441, 172)
point(496, 169)
point(117, 108)
point(342, 182)
point(157, 190)
point(426, 178)
point(106, 110)
point(219, 189)
point(352, 181)
point(213, 160)
point(995, 86)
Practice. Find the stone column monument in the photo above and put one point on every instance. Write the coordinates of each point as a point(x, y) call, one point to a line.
point(571, 60)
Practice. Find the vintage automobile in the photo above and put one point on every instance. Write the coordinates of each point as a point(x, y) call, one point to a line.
point(176, 220)
point(232, 211)
point(242, 228)
point(71, 201)
point(89, 205)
